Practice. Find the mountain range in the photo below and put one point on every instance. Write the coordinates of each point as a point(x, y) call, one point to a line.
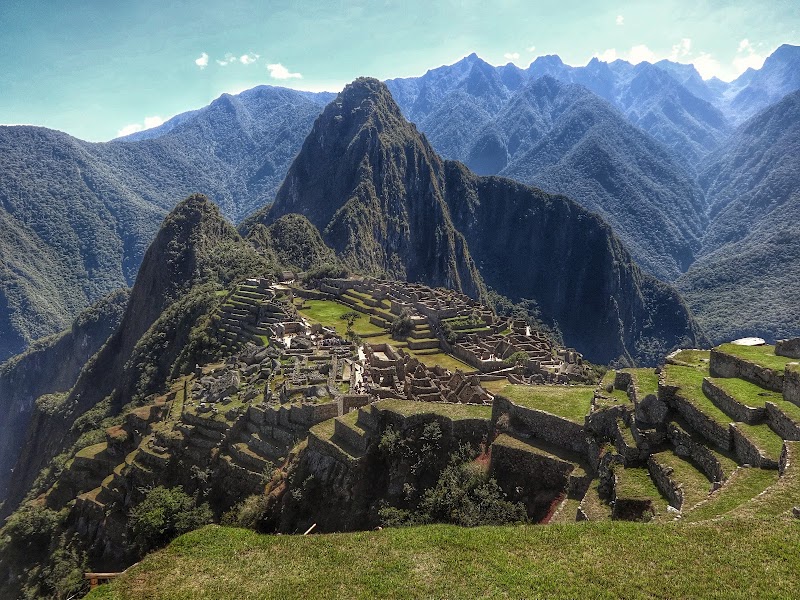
point(631, 143)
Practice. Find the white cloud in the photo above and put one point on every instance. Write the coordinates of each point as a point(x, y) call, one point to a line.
point(706, 65)
point(149, 123)
point(747, 57)
point(511, 56)
point(278, 71)
point(608, 55)
point(681, 49)
point(531, 48)
point(229, 58)
point(620, 20)
point(202, 61)
point(249, 58)
point(129, 129)
point(641, 53)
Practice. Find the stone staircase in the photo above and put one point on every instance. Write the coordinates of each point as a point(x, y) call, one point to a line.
point(246, 314)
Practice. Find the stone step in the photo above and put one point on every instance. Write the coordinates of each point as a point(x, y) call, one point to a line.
point(636, 496)
point(592, 507)
point(756, 445)
point(265, 448)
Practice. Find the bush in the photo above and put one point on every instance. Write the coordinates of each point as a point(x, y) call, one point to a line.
point(402, 325)
point(249, 513)
point(164, 514)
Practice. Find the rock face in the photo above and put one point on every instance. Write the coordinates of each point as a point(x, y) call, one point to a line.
point(50, 366)
point(373, 186)
point(388, 204)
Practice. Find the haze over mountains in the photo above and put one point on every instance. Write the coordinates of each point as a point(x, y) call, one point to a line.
point(632, 143)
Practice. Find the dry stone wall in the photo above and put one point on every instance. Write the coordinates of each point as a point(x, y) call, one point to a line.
point(731, 405)
point(726, 365)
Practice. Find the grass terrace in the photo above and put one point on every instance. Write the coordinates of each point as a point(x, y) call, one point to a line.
point(635, 482)
point(694, 358)
point(409, 408)
point(690, 382)
point(328, 313)
point(570, 402)
point(761, 355)
point(755, 396)
point(645, 381)
point(615, 396)
point(696, 486)
point(769, 442)
point(744, 485)
point(590, 560)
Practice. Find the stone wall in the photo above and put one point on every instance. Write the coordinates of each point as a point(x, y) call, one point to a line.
point(717, 434)
point(748, 453)
point(662, 477)
point(791, 384)
point(789, 348)
point(513, 466)
point(730, 405)
point(700, 455)
point(782, 424)
point(725, 365)
point(542, 425)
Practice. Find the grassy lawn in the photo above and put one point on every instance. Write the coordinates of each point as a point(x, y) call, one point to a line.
point(613, 398)
point(452, 411)
point(588, 560)
point(494, 387)
point(744, 485)
point(645, 381)
point(593, 506)
point(694, 358)
point(635, 482)
point(751, 395)
point(440, 358)
point(570, 402)
point(690, 382)
point(760, 355)
point(328, 313)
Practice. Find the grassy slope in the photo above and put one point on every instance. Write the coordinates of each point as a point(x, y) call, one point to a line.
point(329, 313)
point(589, 560)
point(570, 402)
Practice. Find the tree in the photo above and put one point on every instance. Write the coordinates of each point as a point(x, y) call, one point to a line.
point(402, 325)
point(165, 513)
point(350, 318)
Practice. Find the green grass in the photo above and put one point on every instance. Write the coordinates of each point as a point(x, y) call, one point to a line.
point(693, 357)
point(593, 506)
point(442, 359)
point(744, 485)
point(588, 560)
point(645, 381)
point(696, 486)
point(690, 382)
point(635, 482)
point(615, 397)
point(570, 402)
point(329, 312)
point(92, 451)
point(780, 497)
point(761, 355)
point(769, 442)
point(452, 411)
point(752, 395)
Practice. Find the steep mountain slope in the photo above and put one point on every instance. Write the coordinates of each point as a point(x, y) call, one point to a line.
point(755, 90)
point(387, 203)
point(76, 218)
point(49, 366)
point(378, 203)
point(566, 140)
point(195, 253)
point(748, 277)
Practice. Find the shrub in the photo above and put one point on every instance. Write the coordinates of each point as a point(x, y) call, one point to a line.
point(165, 513)
point(402, 325)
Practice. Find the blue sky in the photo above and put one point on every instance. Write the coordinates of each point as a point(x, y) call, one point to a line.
point(95, 68)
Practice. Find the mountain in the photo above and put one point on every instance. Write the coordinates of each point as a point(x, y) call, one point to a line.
point(76, 217)
point(754, 90)
point(566, 140)
point(747, 279)
point(384, 200)
point(50, 366)
point(195, 253)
